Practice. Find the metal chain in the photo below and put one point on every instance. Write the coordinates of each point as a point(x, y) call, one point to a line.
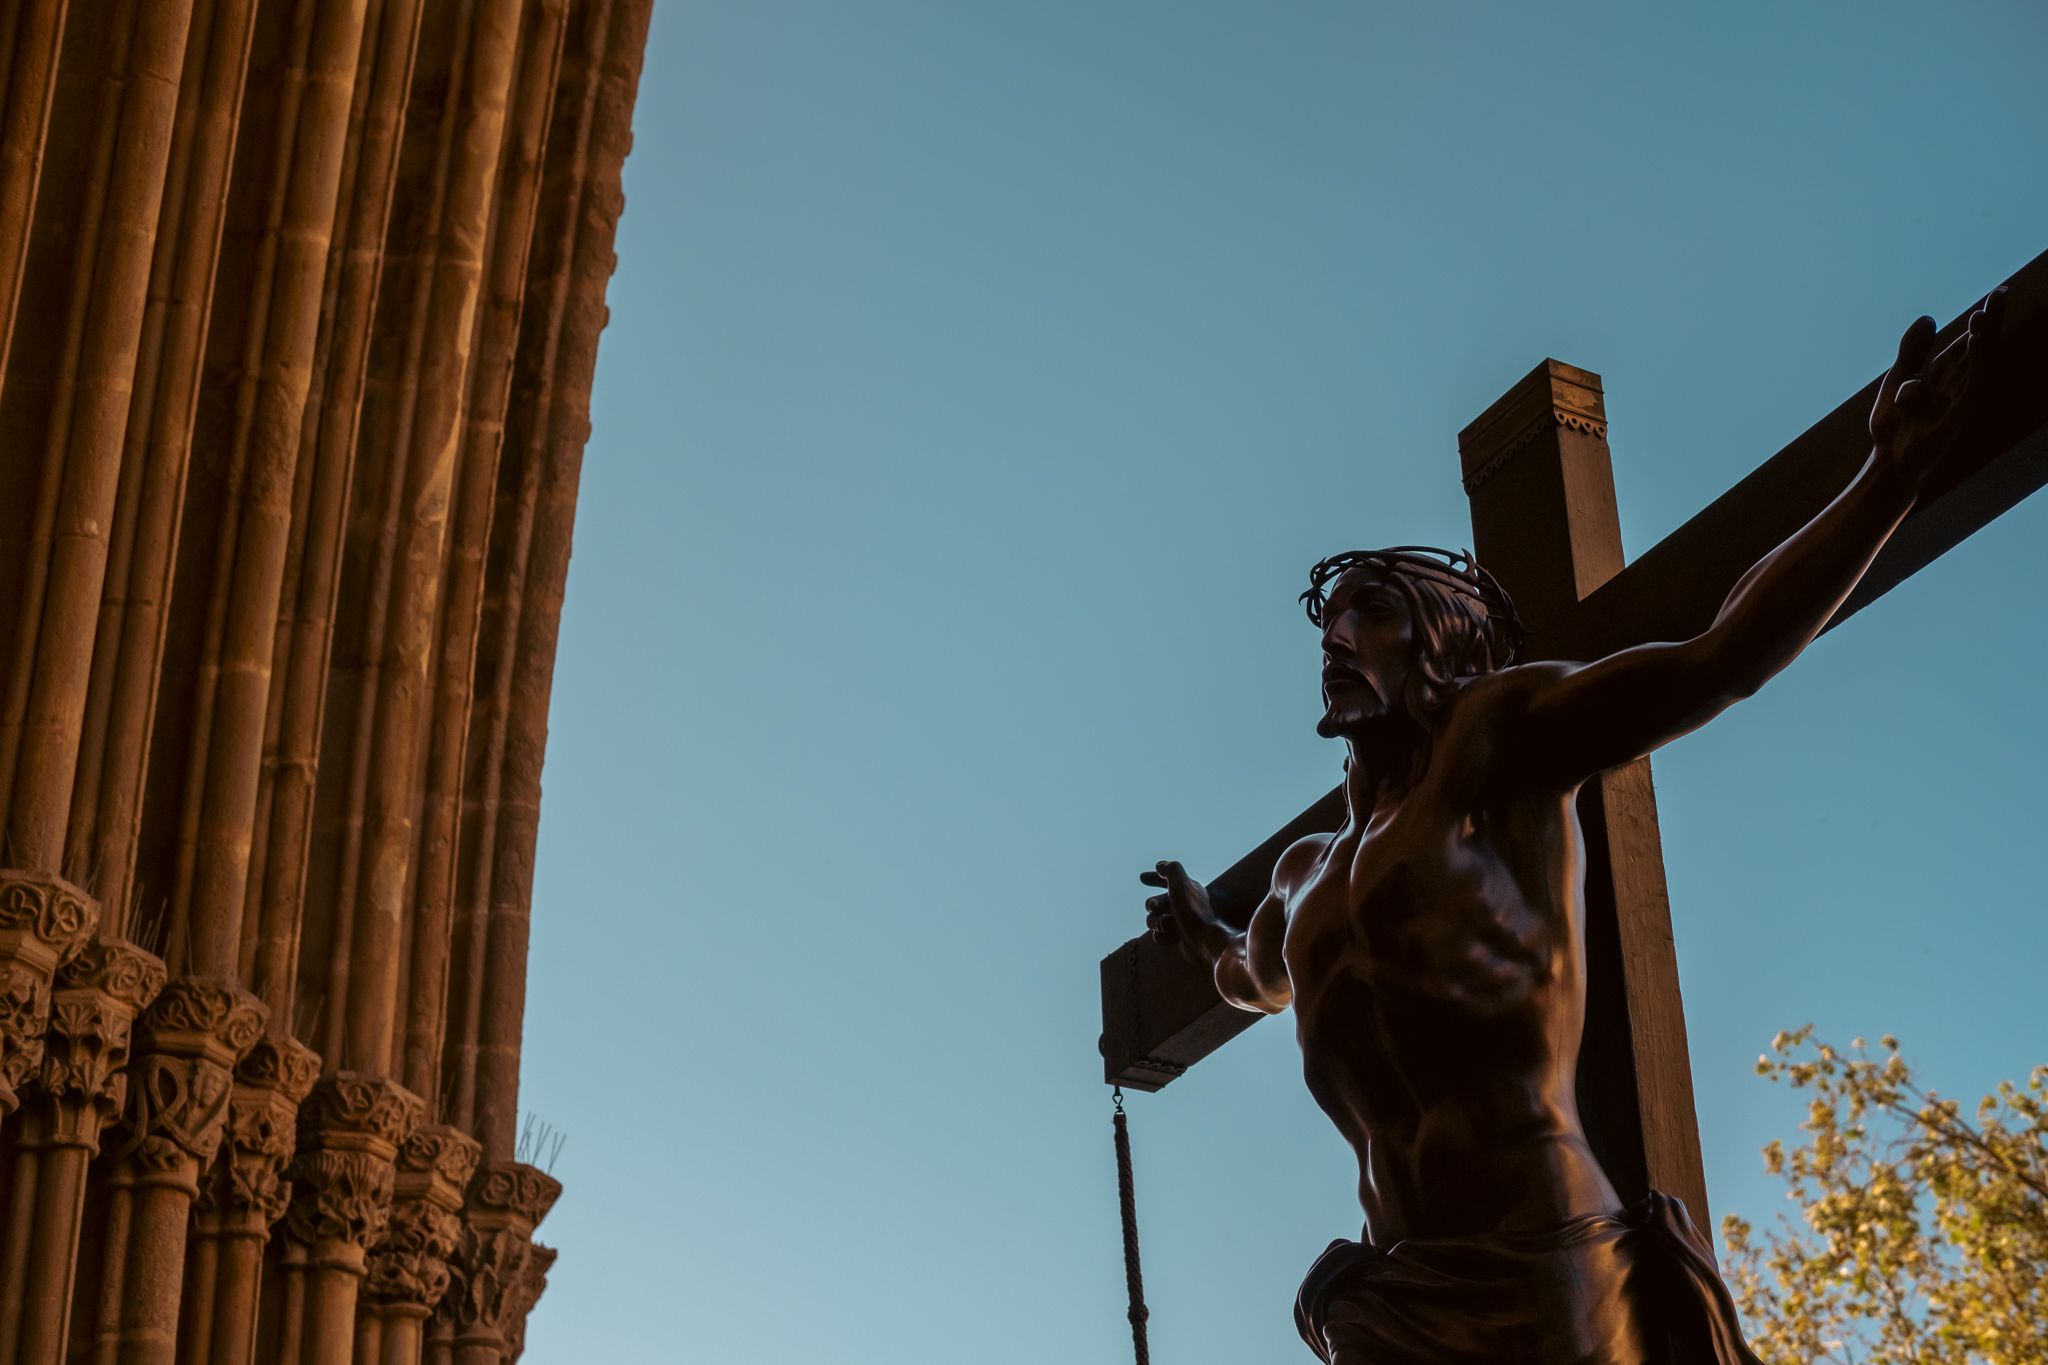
point(1134, 1282)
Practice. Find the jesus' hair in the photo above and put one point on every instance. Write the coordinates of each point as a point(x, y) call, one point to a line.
point(1464, 622)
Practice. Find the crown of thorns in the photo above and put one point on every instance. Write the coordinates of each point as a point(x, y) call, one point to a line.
point(1453, 569)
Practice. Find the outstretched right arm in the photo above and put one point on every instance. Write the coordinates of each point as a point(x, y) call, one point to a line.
point(1249, 968)
point(1574, 720)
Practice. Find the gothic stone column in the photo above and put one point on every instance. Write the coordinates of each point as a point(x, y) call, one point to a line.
point(351, 1129)
point(187, 1044)
point(243, 1197)
point(408, 1270)
point(97, 996)
point(484, 1311)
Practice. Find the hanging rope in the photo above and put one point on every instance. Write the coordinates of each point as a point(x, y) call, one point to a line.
point(1127, 1199)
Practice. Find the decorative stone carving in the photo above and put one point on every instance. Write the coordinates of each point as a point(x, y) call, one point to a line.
point(516, 1190)
point(43, 921)
point(351, 1128)
point(490, 1268)
point(188, 1040)
point(410, 1266)
point(338, 1196)
point(532, 1285)
point(486, 1275)
point(84, 1051)
point(212, 1015)
point(124, 973)
point(24, 1015)
point(446, 1156)
point(176, 1107)
point(247, 1192)
point(92, 1012)
point(48, 908)
point(246, 1186)
point(370, 1107)
point(285, 1065)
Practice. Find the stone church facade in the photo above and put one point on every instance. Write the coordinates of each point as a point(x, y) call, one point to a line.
point(299, 310)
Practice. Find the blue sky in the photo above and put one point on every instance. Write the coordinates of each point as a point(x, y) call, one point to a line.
point(980, 383)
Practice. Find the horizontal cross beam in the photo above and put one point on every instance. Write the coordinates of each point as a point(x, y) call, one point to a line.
point(1160, 1015)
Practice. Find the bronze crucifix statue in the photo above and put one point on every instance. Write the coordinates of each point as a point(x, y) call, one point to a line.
point(1433, 945)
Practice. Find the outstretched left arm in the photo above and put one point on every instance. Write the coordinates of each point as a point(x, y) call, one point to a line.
point(1575, 720)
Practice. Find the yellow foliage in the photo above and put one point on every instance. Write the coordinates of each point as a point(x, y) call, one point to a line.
point(1925, 1237)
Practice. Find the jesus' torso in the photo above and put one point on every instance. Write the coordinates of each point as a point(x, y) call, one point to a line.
point(1436, 954)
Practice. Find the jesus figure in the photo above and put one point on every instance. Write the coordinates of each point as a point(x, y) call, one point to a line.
point(1433, 950)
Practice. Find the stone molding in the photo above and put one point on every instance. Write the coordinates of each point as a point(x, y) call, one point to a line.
point(1559, 417)
point(43, 921)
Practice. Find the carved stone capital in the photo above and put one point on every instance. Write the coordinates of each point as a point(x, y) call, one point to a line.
point(351, 1128)
point(487, 1279)
point(24, 1022)
point(50, 915)
point(284, 1065)
point(532, 1284)
point(187, 1043)
point(211, 1019)
point(82, 1084)
point(123, 973)
point(512, 1192)
point(348, 1109)
point(43, 921)
point(491, 1272)
point(410, 1266)
point(339, 1197)
point(438, 1161)
point(246, 1191)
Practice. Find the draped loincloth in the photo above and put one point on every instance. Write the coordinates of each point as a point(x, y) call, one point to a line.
point(1634, 1288)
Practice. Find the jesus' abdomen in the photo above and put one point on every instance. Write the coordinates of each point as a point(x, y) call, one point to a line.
point(1439, 993)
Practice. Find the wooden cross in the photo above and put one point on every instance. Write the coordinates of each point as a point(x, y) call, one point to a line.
point(1537, 472)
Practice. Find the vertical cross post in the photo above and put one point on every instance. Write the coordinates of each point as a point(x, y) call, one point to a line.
point(1541, 486)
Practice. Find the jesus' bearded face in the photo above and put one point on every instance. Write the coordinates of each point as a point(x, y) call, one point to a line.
point(1368, 651)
